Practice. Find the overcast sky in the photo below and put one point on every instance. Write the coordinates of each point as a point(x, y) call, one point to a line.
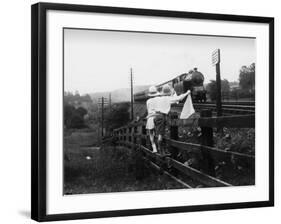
point(96, 61)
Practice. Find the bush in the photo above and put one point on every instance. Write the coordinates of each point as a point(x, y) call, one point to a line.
point(241, 93)
point(118, 116)
point(74, 118)
point(212, 89)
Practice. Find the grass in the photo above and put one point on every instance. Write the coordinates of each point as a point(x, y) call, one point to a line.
point(90, 169)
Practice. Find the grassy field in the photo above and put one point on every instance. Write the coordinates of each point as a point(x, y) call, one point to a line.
point(89, 168)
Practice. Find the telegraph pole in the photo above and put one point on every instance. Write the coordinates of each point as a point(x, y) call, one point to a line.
point(109, 101)
point(218, 77)
point(102, 117)
point(101, 103)
point(132, 96)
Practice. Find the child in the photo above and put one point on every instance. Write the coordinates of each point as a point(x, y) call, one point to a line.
point(151, 105)
point(163, 107)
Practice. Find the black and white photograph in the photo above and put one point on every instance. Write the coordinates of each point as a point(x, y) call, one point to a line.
point(134, 111)
point(148, 111)
point(141, 111)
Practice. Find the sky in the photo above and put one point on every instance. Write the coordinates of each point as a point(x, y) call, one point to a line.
point(97, 61)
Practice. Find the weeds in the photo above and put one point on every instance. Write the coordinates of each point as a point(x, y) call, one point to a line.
point(106, 169)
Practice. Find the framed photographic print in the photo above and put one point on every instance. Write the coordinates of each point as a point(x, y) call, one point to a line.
point(140, 111)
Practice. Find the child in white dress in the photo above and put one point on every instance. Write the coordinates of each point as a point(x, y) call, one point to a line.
point(151, 105)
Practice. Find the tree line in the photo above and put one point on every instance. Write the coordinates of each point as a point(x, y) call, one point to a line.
point(74, 112)
point(76, 116)
point(246, 85)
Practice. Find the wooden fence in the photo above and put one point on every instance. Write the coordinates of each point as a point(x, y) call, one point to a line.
point(134, 136)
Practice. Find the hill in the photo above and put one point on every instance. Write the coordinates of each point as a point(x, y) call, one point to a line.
point(118, 95)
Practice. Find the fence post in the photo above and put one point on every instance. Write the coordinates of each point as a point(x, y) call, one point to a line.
point(134, 135)
point(129, 134)
point(125, 136)
point(117, 133)
point(139, 128)
point(174, 134)
point(143, 136)
point(207, 139)
point(119, 137)
point(139, 167)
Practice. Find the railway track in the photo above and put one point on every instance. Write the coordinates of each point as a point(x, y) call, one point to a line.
point(246, 103)
point(229, 108)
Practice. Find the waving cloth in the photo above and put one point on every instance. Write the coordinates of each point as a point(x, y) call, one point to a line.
point(187, 109)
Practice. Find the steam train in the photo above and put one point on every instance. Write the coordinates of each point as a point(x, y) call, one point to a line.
point(193, 81)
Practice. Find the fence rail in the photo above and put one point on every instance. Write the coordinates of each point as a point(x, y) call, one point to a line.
point(236, 121)
point(134, 136)
point(197, 148)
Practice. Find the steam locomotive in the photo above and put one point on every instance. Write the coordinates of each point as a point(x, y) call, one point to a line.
point(193, 81)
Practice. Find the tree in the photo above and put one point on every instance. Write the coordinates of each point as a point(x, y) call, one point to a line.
point(81, 111)
point(74, 118)
point(212, 88)
point(69, 110)
point(86, 98)
point(225, 89)
point(118, 116)
point(77, 121)
point(247, 78)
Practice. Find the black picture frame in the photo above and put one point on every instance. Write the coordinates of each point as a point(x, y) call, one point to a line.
point(39, 108)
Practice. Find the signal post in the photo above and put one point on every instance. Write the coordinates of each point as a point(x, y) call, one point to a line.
point(216, 62)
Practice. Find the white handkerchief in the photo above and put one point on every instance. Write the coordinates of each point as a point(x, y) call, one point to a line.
point(187, 109)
